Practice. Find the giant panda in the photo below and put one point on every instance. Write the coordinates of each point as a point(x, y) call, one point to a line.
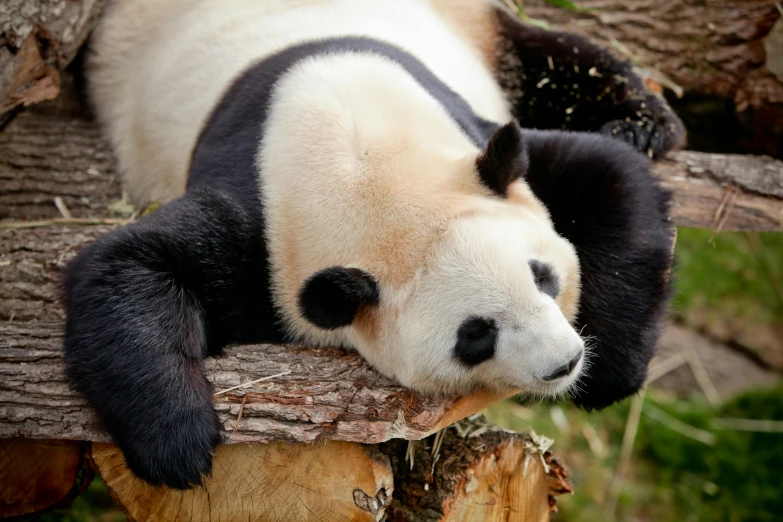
point(465, 200)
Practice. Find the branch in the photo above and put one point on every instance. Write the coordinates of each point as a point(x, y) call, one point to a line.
point(330, 394)
point(44, 156)
point(712, 48)
point(742, 192)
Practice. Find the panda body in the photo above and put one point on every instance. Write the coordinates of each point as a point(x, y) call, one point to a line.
point(154, 103)
point(350, 172)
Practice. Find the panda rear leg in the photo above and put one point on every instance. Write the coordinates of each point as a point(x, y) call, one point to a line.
point(557, 80)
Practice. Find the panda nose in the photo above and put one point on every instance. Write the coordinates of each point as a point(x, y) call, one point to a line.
point(566, 369)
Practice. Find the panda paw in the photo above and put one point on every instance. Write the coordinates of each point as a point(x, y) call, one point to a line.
point(648, 137)
point(177, 452)
point(651, 127)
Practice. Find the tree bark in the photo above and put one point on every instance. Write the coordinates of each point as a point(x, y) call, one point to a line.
point(725, 48)
point(43, 156)
point(38, 39)
point(330, 394)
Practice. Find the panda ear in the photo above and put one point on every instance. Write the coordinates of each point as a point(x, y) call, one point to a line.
point(330, 298)
point(505, 160)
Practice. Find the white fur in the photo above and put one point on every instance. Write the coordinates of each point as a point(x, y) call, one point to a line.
point(361, 168)
point(159, 66)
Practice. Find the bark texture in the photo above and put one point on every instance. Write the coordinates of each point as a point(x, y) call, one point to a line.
point(38, 39)
point(330, 394)
point(724, 48)
point(43, 156)
point(724, 191)
point(713, 47)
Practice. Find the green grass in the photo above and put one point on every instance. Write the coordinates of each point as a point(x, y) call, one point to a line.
point(673, 477)
point(94, 505)
point(732, 288)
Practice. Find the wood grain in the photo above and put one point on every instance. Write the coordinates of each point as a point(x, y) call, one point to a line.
point(45, 155)
point(335, 481)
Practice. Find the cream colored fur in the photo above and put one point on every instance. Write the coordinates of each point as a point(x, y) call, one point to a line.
point(159, 66)
point(361, 168)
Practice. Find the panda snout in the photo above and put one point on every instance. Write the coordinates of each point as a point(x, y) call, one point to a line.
point(567, 368)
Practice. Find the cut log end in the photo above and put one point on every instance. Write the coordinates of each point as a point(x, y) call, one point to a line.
point(40, 475)
point(474, 471)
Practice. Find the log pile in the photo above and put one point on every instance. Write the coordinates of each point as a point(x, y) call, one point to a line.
point(331, 439)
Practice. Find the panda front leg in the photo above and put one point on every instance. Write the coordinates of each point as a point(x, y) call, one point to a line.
point(142, 308)
point(557, 80)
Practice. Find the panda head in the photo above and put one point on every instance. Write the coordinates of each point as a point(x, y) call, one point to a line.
point(490, 307)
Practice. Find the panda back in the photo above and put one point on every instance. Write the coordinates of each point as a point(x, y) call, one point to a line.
point(158, 68)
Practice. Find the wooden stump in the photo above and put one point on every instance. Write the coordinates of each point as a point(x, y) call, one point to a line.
point(475, 471)
point(262, 482)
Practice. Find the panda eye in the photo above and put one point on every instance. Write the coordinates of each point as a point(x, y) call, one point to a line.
point(545, 278)
point(476, 339)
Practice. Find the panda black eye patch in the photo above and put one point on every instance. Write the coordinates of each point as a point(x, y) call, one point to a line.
point(476, 340)
point(545, 278)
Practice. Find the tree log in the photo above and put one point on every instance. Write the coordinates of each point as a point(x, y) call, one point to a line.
point(330, 394)
point(40, 475)
point(726, 191)
point(45, 156)
point(263, 482)
point(38, 39)
point(474, 471)
point(725, 48)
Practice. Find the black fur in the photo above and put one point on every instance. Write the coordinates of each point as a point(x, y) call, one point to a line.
point(545, 279)
point(504, 160)
point(558, 80)
point(476, 339)
point(331, 297)
point(604, 200)
point(144, 305)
